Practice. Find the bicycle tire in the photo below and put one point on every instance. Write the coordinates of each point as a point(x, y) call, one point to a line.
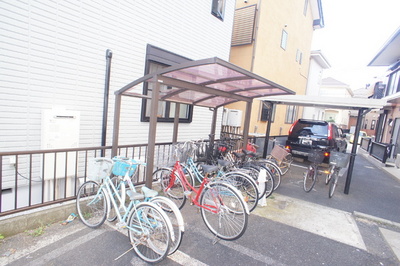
point(148, 232)
point(333, 183)
point(310, 178)
point(176, 192)
point(91, 204)
point(246, 185)
point(270, 182)
point(329, 175)
point(264, 188)
point(229, 221)
point(189, 174)
point(112, 214)
point(174, 214)
point(275, 172)
point(286, 163)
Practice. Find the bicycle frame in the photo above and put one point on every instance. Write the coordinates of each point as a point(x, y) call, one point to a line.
point(178, 170)
point(110, 191)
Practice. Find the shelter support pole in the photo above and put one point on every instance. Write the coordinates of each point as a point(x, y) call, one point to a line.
point(176, 123)
point(268, 131)
point(214, 121)
point(247, 123)
point(212, 134)
point(152, 133)
point(353, 151)
point(117, 116)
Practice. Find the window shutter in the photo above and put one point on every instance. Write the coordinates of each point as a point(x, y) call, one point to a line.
point(243, 25)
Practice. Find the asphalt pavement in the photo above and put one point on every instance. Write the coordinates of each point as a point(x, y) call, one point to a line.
point(294, 228)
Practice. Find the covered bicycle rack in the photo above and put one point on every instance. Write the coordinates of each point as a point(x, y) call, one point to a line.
point(362, 105)
point(209, 83)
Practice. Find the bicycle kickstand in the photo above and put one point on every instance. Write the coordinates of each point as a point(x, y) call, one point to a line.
point(215, 240)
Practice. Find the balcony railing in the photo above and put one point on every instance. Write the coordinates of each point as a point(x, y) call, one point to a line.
point(31, 179)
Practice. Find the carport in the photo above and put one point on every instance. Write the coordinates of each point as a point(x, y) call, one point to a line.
point(362, 105)
point(210, 83)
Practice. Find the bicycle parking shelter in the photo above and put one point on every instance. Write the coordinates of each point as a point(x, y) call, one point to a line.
point(362, 105)
point(210, 83)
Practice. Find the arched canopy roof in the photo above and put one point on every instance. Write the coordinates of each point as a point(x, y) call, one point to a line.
point(209, 82)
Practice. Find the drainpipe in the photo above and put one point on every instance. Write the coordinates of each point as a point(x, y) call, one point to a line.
point(105, 104)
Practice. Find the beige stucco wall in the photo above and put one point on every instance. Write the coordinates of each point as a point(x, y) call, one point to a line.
point(273, 62)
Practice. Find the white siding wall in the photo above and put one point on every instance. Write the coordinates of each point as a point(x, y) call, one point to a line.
point(53, 56)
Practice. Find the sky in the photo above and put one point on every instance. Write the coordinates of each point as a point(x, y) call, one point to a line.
point(354, 32)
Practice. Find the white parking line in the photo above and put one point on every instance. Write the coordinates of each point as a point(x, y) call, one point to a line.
point(184, 259)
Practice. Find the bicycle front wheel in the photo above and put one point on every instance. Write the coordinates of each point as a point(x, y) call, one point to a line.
point(224, 211)
point(329, 175)
point(175, 191)
point(91, 204)
point(286, 163)
point(175, 215)
point(309, 178)
point(333, 183)
point(148, 232)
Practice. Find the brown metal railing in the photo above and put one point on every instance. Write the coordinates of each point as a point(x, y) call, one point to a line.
point(32, 179)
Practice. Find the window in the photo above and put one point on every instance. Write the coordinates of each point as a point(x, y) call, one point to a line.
point(305, 7)
point(284, 39)
point(365, 123)
point(218, 8)
point(157, 59)
point(373, 124)
point(291, 114)
point(299, 56)
point(265, 109)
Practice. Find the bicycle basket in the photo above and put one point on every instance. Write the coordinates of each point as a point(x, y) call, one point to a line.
point(121, 167)
point(316, 156)
point(279, 153)
point(99, 168)
point(340, 159)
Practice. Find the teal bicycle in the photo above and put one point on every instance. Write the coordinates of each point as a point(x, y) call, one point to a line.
point(125, 186)
point(149, 229)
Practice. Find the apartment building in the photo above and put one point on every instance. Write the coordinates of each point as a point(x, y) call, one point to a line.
point(273, 39)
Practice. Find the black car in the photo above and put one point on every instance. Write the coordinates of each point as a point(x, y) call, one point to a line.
point(305, 135)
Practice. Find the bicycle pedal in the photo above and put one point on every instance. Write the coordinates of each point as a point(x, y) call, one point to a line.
point(121, 225)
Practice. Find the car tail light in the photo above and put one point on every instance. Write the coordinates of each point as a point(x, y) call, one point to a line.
point(329, 131)
point(291, 128)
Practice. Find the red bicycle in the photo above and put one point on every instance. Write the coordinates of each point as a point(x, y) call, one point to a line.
point(222, 206)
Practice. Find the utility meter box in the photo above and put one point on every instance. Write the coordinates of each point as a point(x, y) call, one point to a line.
point(60, 130)
point(232, 118)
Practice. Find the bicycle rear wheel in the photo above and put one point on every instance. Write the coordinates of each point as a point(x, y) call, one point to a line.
point(224, 211)
point(148, 232)
point(176, 190)
point(174, 214)
point(310, 178)
point(246, 185)
point(275, 172)
point(333, 183)
point(91, 204)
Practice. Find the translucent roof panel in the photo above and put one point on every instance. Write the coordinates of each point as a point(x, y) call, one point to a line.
point(209, 82)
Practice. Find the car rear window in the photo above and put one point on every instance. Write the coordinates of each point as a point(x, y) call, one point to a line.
point(310, 129)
